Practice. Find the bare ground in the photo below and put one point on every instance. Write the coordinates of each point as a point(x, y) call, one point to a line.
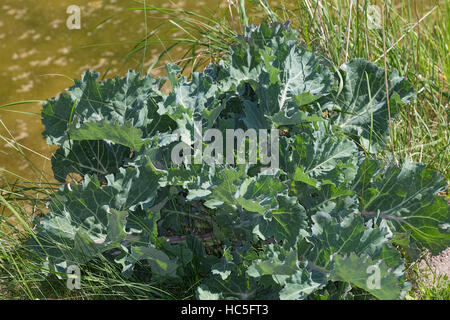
point(437, 265)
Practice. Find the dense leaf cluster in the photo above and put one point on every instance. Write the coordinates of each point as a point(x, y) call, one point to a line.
point(329, 220)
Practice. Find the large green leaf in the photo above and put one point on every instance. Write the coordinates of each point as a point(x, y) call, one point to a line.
point(88, 158)
point(372, 275)
point(130, 102)
point(88, 219)
point(361, 107)
point(276, 262)
point(282, 265)
point(322, 157)
point(261, 204)
point(229, 281)
point(350, 251)
point(405, 197)
point(116, 100)
point(126, 135)
point(160, 263)
point(286, 222)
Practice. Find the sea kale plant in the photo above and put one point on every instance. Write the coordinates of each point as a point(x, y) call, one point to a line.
point(331, 219)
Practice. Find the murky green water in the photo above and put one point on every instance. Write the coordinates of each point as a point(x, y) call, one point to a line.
point(39, 54)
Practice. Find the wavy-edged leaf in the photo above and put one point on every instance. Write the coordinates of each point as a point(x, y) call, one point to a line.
point(334, 248)
point(362, 108)
point(87, 214)
point(126, 135)
point(405, 197)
